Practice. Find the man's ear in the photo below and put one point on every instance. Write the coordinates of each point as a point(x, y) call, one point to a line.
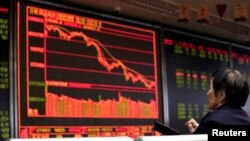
point(221, 96)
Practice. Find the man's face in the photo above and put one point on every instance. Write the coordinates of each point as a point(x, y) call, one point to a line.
point(212, 100)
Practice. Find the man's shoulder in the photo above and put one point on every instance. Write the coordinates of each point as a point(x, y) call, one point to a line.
point(227, 116)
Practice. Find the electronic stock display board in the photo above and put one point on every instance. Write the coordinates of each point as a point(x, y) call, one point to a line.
point(4, 69)
point(189, 62)
point(81, 76)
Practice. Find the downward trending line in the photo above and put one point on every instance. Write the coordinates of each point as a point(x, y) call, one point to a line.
point(128, 73)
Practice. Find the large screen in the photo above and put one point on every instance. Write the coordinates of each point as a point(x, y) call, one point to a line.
point(241, 61)
point(82, 76)
point(189, 62)
point(4, 69)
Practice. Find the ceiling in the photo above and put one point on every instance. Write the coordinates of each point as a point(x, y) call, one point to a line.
point(167, 12)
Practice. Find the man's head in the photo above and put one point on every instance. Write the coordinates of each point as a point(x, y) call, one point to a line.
point(227, 86)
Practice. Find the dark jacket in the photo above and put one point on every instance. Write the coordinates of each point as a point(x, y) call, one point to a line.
point(224, 115)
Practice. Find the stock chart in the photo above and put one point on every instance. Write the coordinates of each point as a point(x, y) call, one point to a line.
point(84, 76)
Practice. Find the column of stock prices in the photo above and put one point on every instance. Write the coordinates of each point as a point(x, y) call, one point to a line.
point(4, 70)
point(189, 62)
point(80, 76)
point(241, 61)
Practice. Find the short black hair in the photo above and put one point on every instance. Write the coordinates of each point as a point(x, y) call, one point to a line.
point(233, 83)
